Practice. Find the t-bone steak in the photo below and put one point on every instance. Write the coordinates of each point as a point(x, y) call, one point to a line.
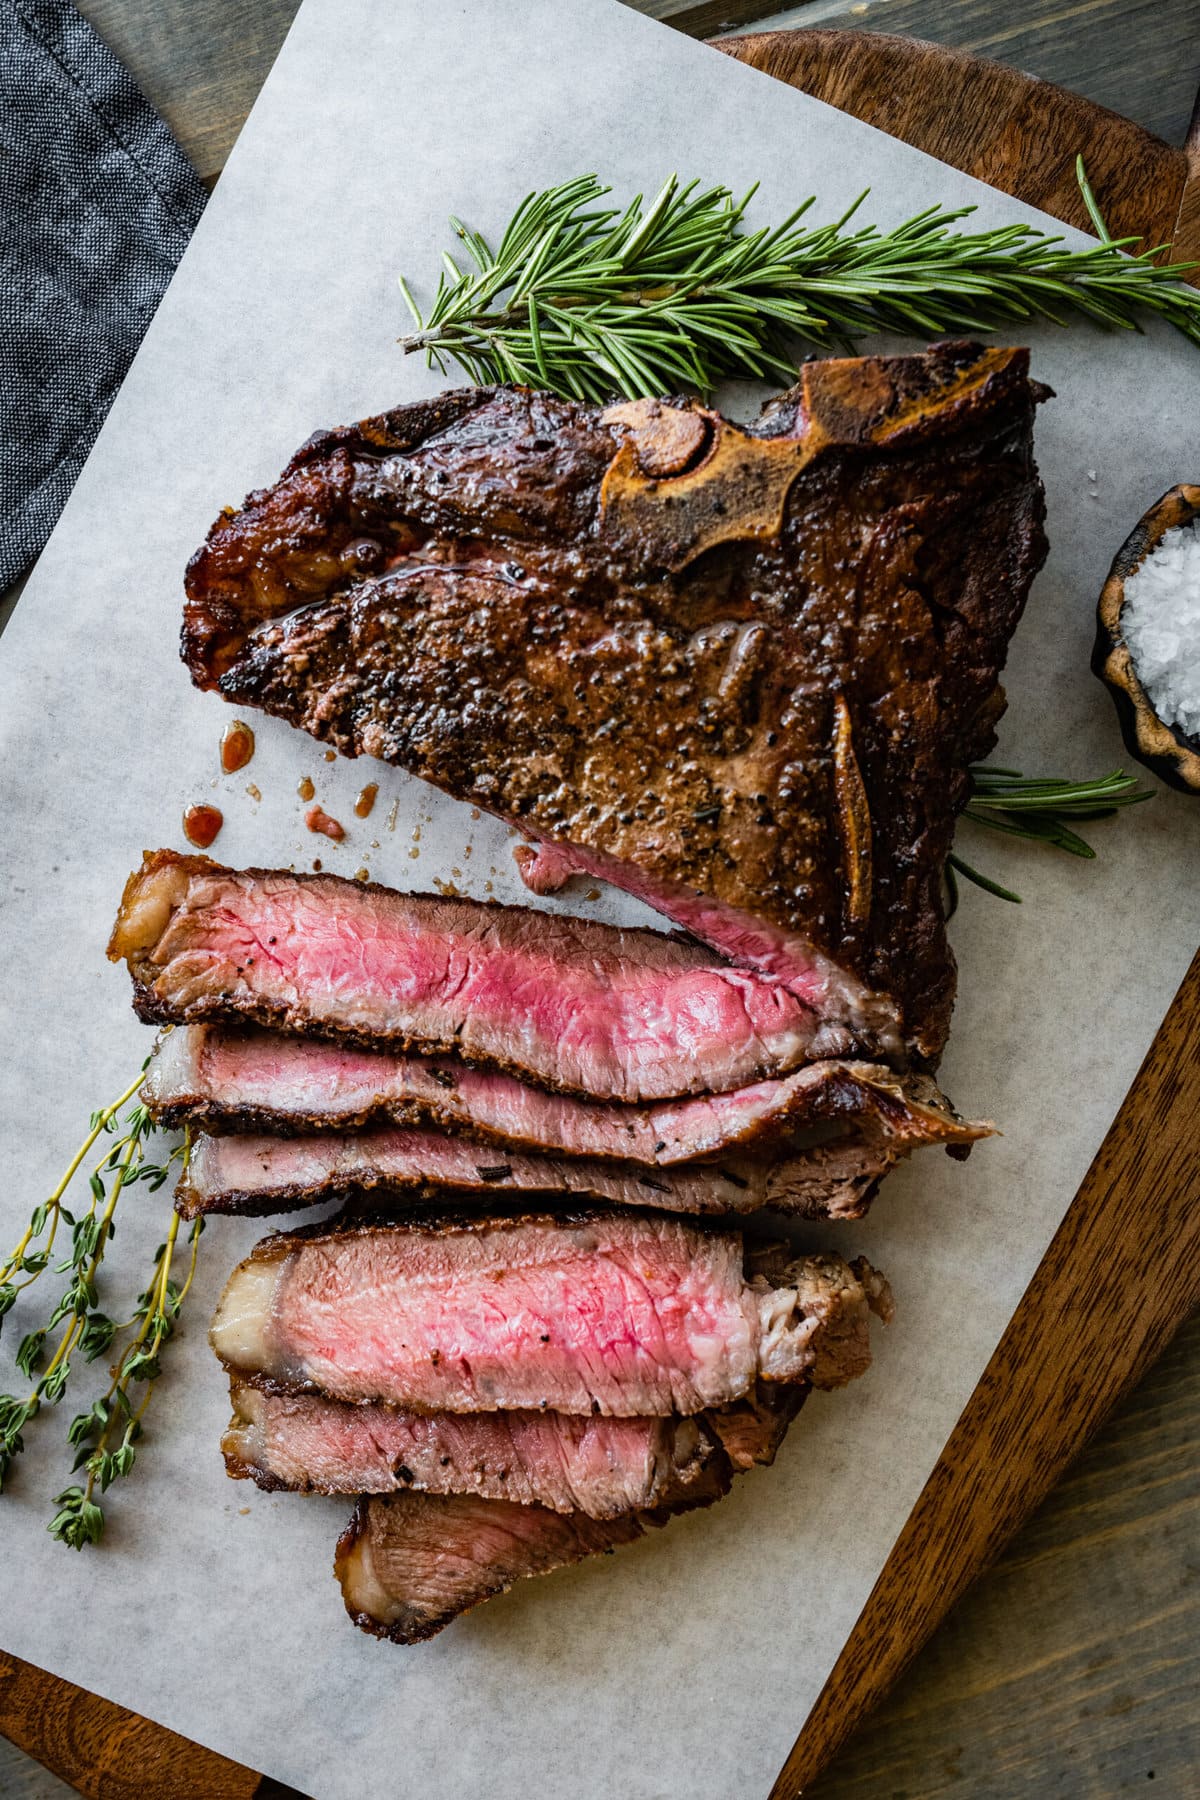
point(741, 672)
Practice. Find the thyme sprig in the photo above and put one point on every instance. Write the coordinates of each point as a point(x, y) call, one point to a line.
point(103, 1436)
point(590, 300)
point(31, 1255)
point(1040, 808)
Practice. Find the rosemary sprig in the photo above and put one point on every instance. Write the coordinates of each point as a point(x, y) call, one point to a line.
point(86, 1332)
point(591, 301)
point(1037, 808)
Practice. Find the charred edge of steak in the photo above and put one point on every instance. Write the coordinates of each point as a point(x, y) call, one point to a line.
point(830, 1179)
point(972, 482)
point(221, 1118)
point(702, 1461)
point(128, 935)
point(239, 1470)
point(771, 1258)
point(210, 1009)
point(451, 1216)
point(866, 1100)
point(156, 891)
point(213, 1009)
point(375, 1196)
point(752, 1430)
point(749, 1432)
point(599, 1537)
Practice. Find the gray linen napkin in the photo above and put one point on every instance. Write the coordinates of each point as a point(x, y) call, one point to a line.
point(97, 202)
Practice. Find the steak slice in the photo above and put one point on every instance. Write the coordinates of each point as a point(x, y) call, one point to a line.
point(739, 672)
point(409, 1563)
point(576, 1005)
point(252, 1175)
point(224, 1079)
point(564, 1461)
point(614, 1313)
point(751, 1430)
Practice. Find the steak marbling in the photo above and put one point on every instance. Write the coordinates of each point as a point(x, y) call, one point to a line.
point(739, 672)
point(589, 1008)
point(619, 1314)
point(227, 1079)
point(409, 1563)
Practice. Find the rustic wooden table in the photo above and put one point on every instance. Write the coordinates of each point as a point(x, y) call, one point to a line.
point(1072, 1667)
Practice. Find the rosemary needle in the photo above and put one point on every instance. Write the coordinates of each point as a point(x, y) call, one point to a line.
point(589, 300)
point(1037, 808)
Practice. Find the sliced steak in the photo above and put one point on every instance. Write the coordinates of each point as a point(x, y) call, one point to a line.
point(739, 672)
point(254, 1175)
point(228, 1079)
point(576, 1005)
point(751, 1430)
point(620, 1314)
point(409, 1563)
point(569, 1463)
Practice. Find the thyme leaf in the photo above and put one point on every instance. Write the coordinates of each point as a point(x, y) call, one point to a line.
point(103, 1437)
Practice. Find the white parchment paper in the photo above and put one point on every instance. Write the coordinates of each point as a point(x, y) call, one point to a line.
point(685, 1666)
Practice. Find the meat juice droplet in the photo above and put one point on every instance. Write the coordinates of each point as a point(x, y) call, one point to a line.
point(366, 799)
point(201, 825)
point(317, 819)
point(237, 747)
point(305, 789)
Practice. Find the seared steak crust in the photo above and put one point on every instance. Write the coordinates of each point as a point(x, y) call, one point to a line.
point(739, 672)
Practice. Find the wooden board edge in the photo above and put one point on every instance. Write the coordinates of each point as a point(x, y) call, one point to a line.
point(1186, 235)
point(1016, 132)
point(80, 1736)
point(1088, 1326)
point(108, 1753)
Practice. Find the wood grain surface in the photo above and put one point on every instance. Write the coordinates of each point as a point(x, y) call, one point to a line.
point(203, 61)
point(108, 1753)
point(1122, 1271)
point(1139, 58)
point(1072, 1668)
point(991, 122)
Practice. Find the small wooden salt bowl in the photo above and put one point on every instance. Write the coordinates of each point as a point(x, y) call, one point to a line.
point(1171, 753)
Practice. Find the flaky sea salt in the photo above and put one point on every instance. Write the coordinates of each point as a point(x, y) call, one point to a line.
point(1160, 622)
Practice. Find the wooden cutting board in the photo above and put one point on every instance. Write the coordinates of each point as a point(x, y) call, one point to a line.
point(1090, 1323)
